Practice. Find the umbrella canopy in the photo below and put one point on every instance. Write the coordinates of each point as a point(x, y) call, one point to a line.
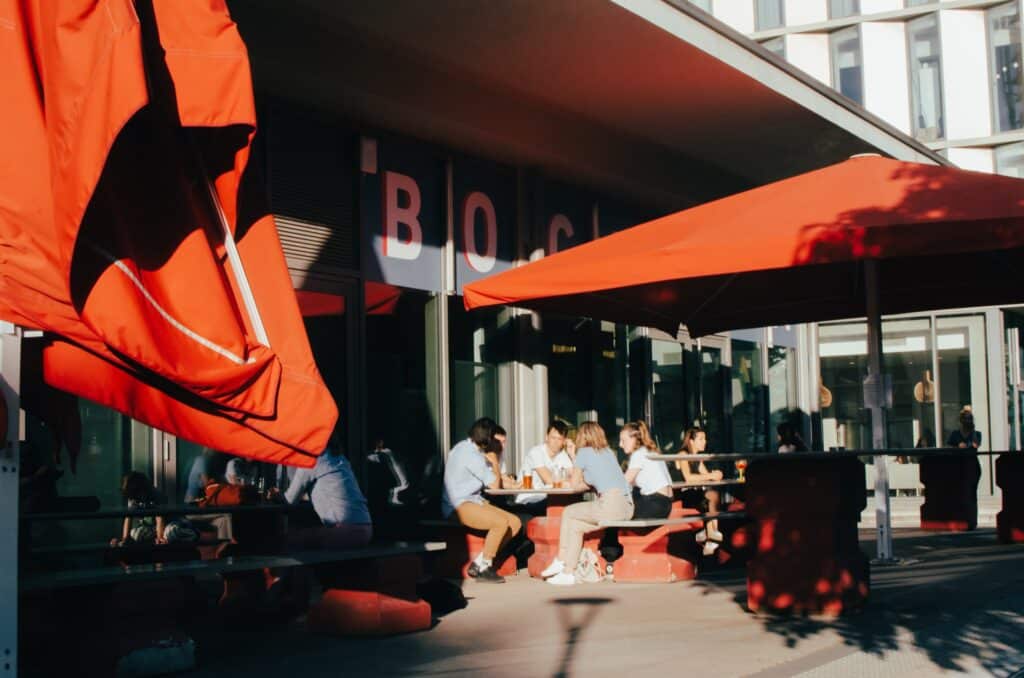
point(129, 215)
point(791, 252)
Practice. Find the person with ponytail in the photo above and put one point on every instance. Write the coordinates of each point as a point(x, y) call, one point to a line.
point(650, 479)
point(695, 441)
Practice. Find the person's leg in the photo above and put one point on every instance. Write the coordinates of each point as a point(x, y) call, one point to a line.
point(714, 501)
point(577, 520)
point(483, 517)
point(651, 506)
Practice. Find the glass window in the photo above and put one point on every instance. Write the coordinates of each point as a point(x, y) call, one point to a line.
point(749, 397)
point(401, 377)
point(713, 385)
point(768, 14)
point(587, 371)
point(846, 64)
point(915, 3)
point(782, 383)
point(669, 411)
point(963, 377)
point(838, 9)
point(776, 46)
point(926, 78)
point(1004, 33)
point(480, 343)
point(703, 4)
point(1010, 160)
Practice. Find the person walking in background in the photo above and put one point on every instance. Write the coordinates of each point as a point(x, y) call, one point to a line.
point(596, 466)
point(967, 436)
point(473, 465)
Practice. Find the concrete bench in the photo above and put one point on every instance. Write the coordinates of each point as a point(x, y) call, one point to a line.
point(651, 551)
point(461, 546)
point(369, 591)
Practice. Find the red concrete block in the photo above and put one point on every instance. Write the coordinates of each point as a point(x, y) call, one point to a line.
point(950, 493)
point(806, 555)
point(367, 613)
point(544, 533)
point(396, 576)
point(462, 546)
point(1010, 479)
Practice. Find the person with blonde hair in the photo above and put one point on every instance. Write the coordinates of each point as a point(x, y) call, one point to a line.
point(650, 479)
point(596, 466)
point(695, 441)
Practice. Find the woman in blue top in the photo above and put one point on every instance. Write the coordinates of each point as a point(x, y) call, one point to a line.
point(595, 466)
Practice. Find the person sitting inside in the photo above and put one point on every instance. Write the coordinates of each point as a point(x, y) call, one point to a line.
point(336, 497)
point(235, 490)
point(788, 438)
point(140, 494)
point(472, 466)
point(542, 463)
point(695, 441)
point(596, 466)
point(650, 479)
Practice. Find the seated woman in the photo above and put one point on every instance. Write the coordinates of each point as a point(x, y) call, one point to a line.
point(695, 441)
point(595, 466)
point(652, 485)
point(140, 494)
point(473, 464)
point(336, 497)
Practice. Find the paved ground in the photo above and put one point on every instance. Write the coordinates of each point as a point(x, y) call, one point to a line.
point(906, 511)
point(959, 609)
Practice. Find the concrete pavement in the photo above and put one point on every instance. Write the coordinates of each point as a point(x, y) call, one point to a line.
point(959, 609)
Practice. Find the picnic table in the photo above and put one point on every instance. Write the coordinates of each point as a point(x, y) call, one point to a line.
point(557, 497)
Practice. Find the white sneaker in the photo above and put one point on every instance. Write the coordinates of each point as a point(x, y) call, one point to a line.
point(701, 536)
point(715, 535)
point(710, 548)
point(563, 579)
point(556, 567)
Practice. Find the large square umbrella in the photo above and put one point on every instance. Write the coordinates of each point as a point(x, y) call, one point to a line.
point(865, 237)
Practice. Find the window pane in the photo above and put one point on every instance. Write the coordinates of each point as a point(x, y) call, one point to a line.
point(668, 401)
point(1007, 78)
point(846, 64)
point(480, 344)
point(915, 3)
point(843, 8)
point(1010, 160)
point(703, 4)
point(748, 397)
point(926, 78)
point(769, 14)
point(776, 46)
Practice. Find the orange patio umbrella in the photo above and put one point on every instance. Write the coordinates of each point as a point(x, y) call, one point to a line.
point(865, 237)
point(134, 229)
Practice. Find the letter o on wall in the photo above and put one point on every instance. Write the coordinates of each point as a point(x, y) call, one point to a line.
point(481, 262)
point(558, 224)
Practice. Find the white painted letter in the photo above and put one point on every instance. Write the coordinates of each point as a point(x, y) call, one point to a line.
point(482, 263)
point(558, 224)
point(394, 215)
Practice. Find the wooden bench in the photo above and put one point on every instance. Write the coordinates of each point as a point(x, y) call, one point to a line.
point(652, 553)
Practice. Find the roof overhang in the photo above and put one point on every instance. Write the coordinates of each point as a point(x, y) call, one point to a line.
point(653, 99)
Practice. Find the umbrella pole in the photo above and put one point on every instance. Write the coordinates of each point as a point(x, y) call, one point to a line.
point(876, 391)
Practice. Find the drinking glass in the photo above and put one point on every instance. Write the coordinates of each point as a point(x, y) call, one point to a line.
point(741, 467)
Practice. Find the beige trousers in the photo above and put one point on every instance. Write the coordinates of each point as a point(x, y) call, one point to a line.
point(500, 525)
point(578, 519)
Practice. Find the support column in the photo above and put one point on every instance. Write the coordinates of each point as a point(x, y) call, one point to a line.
point(10, 359)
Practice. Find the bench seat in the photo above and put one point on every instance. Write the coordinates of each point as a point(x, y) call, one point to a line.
point(462, 544)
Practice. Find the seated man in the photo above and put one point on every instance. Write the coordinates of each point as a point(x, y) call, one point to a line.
point(336, 497)
point(473, 465)
point(542, 463)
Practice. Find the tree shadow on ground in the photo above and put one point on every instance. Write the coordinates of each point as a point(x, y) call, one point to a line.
point(959, 599)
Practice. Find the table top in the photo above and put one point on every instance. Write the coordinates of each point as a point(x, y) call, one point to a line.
point(534, 490)
point(833, 454)
point(707, 483)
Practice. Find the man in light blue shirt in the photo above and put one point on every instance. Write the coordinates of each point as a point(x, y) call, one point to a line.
point(473, 465)
point(336, 496)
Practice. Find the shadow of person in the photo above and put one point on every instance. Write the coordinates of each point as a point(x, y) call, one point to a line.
point(575, 615)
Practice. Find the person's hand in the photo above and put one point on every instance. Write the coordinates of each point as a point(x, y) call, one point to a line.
point(570, 448)
point(161, 540)
point(509, 482)
point(716, 475)
point(115, 542)
point(962, 445)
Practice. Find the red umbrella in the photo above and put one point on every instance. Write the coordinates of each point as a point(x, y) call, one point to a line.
point(134, 230)
point(868, 236)
point(791, 252)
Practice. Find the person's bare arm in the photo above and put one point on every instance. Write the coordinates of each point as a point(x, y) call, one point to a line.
point(545, 475)
point(492, 460)
point(160, 524)
point(577, 480)
point(126, 528)
point(631, 475)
